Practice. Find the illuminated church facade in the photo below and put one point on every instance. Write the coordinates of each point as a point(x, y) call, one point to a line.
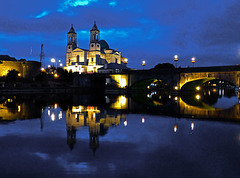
point(99, 58)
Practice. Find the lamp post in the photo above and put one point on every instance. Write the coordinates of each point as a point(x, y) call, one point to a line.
point(176, 59)
point(193, 60)
point(143, 63)
point(53, 61)
point(59, 61)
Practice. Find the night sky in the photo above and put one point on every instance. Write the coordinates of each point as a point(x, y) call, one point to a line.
point(151, 30)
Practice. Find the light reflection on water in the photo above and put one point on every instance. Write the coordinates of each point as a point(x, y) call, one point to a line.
point(119, 139)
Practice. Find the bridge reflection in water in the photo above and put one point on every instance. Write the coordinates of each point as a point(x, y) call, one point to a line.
point(214, 104)
point(209, 112)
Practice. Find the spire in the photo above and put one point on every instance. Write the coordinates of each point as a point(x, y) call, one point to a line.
point(94, 28)
point(72, 30)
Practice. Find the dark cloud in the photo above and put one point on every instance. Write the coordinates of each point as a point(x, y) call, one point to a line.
point(222, 29)
point(141, 29)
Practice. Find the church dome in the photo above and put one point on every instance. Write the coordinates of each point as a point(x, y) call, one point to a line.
point(104, 45)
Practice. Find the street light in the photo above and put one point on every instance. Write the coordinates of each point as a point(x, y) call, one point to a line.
point(55, 75)
point(143, 63)
point(176, 59)
point(59, 61)
point(193, 60)
point(53, 61)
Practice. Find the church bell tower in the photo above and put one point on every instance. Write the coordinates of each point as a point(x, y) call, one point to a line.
point(94, 38)
point(71, 40)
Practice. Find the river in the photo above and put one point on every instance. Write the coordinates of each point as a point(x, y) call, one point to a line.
point(154, 134)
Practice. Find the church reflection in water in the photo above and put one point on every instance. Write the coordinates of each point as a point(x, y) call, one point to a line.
point(98, 122)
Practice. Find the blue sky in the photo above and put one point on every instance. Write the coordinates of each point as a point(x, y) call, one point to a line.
point(153, 30)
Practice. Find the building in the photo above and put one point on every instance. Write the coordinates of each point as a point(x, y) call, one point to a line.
point(27, 69)
point(98, 56)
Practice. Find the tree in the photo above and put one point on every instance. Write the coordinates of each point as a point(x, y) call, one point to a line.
point(64, 75)
point(164, 66)
point(12, 76)
point(41, 77)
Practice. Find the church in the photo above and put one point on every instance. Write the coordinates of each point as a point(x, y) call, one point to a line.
point(98, 59)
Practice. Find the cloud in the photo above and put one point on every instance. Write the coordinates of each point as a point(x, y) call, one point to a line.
point(221, 29)
point(114, 33)
point(112, 3)
point(150, 29)
point(75, 3)
point(43, 156)
point(44, 13)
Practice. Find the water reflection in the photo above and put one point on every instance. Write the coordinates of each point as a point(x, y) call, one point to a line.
point(12, 109)
point(212, 103)
point(98, 122)
point(120, 130)
point(217, 104)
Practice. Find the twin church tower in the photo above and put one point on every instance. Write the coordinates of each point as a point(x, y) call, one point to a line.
point(99, 57)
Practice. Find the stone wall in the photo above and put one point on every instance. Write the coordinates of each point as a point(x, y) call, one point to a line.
point(28, 69)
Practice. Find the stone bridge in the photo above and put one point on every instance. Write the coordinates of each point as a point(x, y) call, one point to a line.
point(180, 76)
point(226, 73)
point(172, 77)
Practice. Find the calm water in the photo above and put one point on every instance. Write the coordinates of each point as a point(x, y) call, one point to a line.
point(155, 135)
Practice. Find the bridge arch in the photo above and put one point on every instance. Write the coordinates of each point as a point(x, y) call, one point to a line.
point(170, 77)
point(210, 82)
point(155, 84)
point(230, 76)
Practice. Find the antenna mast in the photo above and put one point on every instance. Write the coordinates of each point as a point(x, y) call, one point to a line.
point(42, 55)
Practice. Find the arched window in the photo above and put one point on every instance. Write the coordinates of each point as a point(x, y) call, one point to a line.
point(77, 58)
